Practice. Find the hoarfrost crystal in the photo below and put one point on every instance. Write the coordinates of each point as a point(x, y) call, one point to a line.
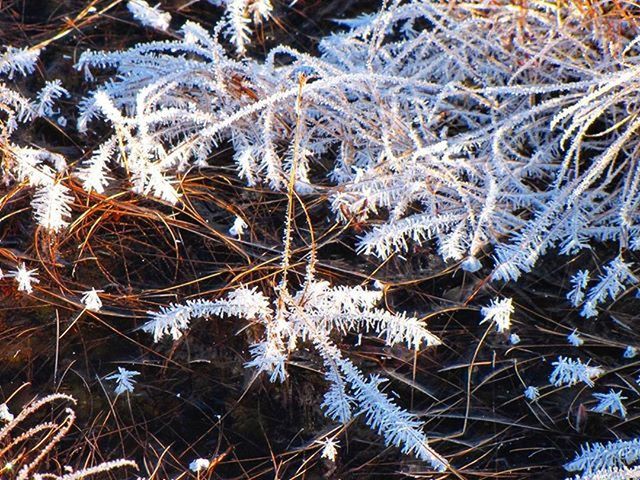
point(124, 380)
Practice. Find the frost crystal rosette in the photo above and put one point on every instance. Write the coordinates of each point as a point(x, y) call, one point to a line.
point(313, 314)
point(498, 311)
point(124, 380)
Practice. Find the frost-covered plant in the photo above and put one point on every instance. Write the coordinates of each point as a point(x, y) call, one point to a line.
point(91, 300)
point(124, 380)
point(149, 16)
point(240, 14)
point(462, 124)
point(600, 459)
point(498, 311)
point(579, 281)
point(569, 371)
point(199, 465)
point(329, 448)
point(315, 312)
point(611, 283)
point(574, 338)
point(531, 393)
point(18, 458)
point(34, 167)
point(25, 278)
point(610, 403)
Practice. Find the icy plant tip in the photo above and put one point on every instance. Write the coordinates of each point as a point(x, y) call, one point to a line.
point(24, 278)
point(149, 16)
point(238, 228)
point(569, 371)
point(531, 393)
point(610, 403)
point(499, 311)
point(91, 300)
point(574, 338)
point(124, 380)
point(329, 448)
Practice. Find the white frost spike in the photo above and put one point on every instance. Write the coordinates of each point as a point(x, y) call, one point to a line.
point(574, 338)
point(91, 300)
point(499, 311)
point(610, 403)
point(594, 457)
point(51, 206)
point(124, 380)
point(238, 227)
point(24, 278)
point(531, 393)
point(93, 172)
point(18, 60)
point(51, 91)
point(569, 371)
point(149, 16)
point(610, 284)
point(579, 282)
point(329, 449)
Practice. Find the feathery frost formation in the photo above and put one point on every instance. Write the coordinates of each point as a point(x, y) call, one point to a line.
point(467, 134)
point(149, 16)
point(569, 371)
point(240, 14)
point(437, 122)
point(35, 167)
point(611, 461)
point(312, 315)
point(20, 460)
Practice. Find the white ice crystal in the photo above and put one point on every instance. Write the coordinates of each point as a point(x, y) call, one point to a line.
point(51, 206)
point(499, 311)
point(24, 277)
point(199, 465)
point(5, 414)
point(617, 274)
point(149, 16)
point(124, 380)
point(329, 449)
point(569, 371)
point(238, 227)
point(579, 282)
point(91, 300)
point(574, 338)
point(531, 393)
point(18, 60)
point(610, 403)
